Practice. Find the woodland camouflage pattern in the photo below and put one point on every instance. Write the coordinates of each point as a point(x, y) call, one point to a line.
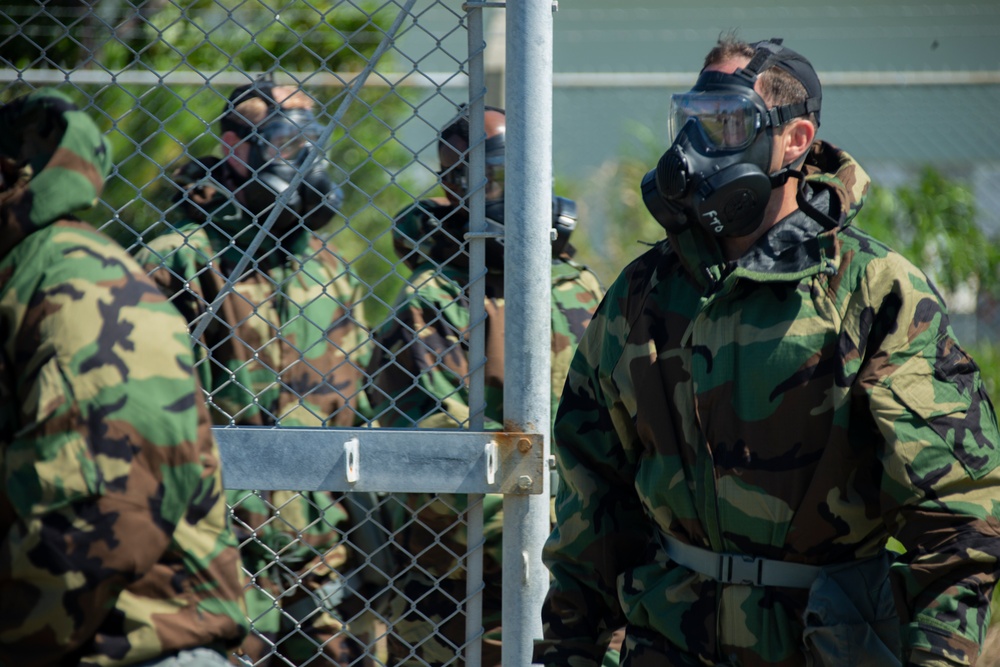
point(287, 349)
point(114, 541)
point(801, 405)
point(420, 373)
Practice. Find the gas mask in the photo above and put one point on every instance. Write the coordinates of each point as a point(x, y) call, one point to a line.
point(278, 150)
point(716, 173)
point(456, 179)
point(563, 224)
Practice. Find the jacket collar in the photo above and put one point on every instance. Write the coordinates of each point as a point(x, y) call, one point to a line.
point(833, 187)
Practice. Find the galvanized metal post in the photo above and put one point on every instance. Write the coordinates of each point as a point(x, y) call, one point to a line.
point(527, 287)
point(477, 317)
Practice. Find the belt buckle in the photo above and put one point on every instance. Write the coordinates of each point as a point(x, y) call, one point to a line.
point(740, 569)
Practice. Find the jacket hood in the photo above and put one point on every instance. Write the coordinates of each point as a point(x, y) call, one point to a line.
point(833, 187)
point(834, 170)
point(54, 161)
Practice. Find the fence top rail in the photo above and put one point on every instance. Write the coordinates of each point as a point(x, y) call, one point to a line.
point(438, 80)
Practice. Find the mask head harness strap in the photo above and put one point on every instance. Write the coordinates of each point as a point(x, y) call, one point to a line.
point(261, 88)
point(772, 53)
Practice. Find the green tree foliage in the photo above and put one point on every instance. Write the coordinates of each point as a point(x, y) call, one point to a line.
point(933, 222)
point(186, 47)
point(615, 225)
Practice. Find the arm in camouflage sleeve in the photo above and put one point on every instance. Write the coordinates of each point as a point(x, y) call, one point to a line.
point(420, 366)
point(941, 484)
point(358, 347)
point(263, 331)
point(600, 526)
point(112, 475)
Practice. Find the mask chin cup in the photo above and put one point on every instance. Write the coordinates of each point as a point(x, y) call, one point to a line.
point(313, 204)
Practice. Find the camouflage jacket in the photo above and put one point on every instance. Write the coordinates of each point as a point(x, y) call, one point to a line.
point(420, 367)
point(115, 546)
point(803, 403)
point(287, 348)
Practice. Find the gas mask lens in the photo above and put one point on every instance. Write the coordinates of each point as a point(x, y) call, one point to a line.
point(284, 139)
point(726, 121)
point(494, 179)
point(456, 180)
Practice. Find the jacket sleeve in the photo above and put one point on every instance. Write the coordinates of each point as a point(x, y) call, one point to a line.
point(112, 457)
point(176, 265)
point(940, 482)
point(420, 365)
point(600, 527)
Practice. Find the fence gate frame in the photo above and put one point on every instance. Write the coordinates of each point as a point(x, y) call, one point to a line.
point(515, 462)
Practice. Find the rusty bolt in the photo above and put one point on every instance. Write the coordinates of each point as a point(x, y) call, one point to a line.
point(524, 482)
point(524, 445)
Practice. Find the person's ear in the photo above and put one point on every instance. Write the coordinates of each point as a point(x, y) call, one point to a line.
point(798, 138)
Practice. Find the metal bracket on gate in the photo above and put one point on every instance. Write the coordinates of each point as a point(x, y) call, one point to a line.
point(396, 460)
point(521, 462)
point(352, 460)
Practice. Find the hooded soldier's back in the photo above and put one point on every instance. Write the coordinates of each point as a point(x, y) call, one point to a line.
point(800, 404)
point(115, 544)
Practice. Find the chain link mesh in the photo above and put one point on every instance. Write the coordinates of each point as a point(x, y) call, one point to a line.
point(282, 311)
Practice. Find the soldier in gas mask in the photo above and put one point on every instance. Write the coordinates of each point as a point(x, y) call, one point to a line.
point(762, 400)
point(420, 371)
point(284, 348)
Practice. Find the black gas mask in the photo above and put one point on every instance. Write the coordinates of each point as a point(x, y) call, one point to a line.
point(279, 148)
point(456, 179)
point(716, 173)
point(278, 151)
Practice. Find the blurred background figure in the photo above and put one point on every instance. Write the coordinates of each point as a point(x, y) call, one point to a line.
point(420, 372)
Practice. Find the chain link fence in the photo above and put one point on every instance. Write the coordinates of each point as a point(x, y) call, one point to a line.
point(368, 526)
point(358, 541)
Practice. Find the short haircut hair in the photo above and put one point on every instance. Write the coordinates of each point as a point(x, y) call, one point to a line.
point(778, 87)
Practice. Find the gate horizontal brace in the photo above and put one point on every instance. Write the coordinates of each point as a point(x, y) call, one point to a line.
point(383, 459)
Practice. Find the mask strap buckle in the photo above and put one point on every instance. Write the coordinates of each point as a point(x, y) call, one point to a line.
point(778, 116)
